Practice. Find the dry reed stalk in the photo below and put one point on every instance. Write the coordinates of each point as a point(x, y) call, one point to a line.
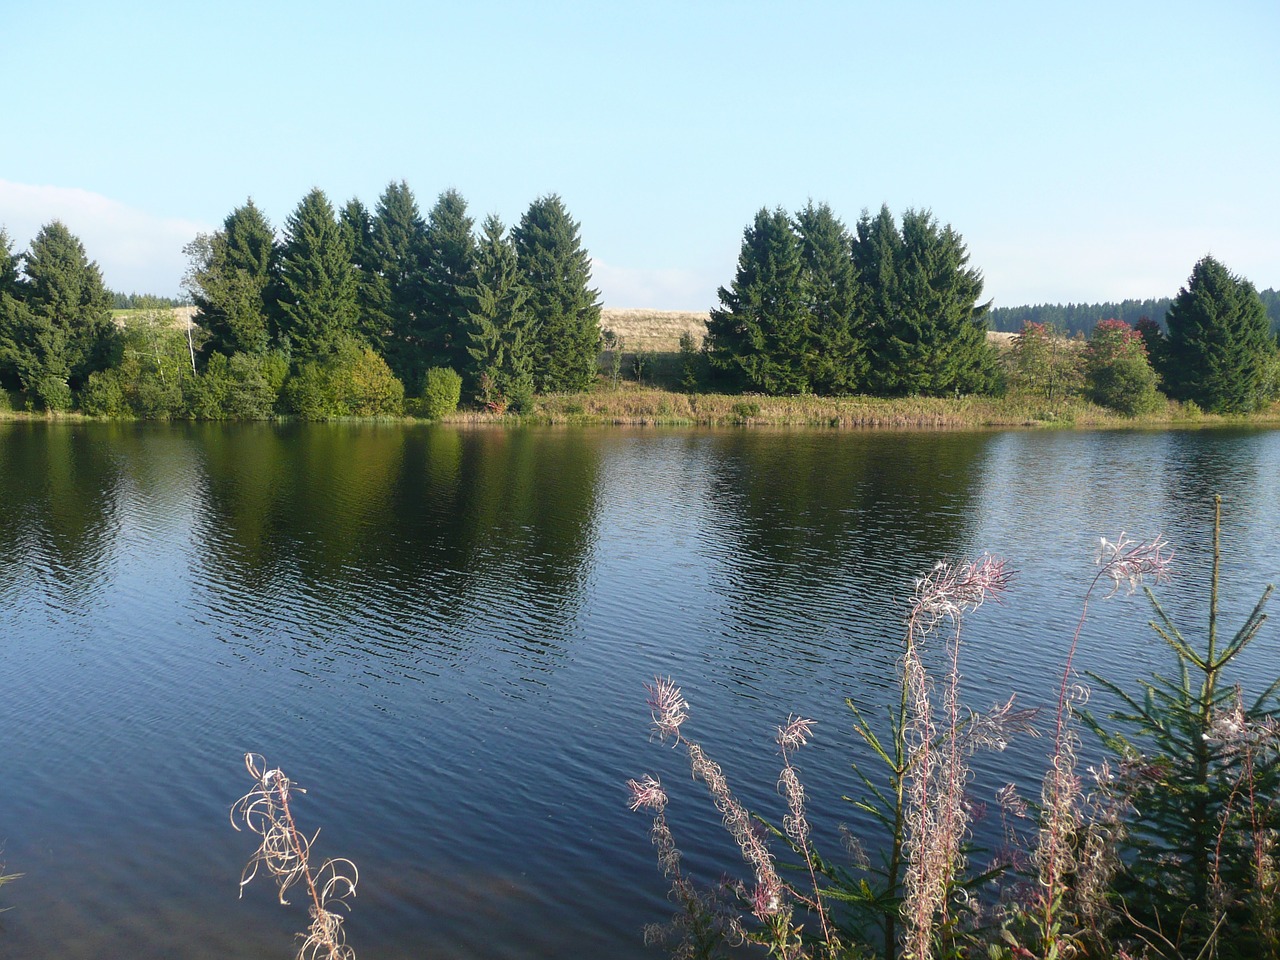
point(285, 854)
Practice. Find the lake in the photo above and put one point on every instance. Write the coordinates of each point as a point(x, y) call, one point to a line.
point(443, 634)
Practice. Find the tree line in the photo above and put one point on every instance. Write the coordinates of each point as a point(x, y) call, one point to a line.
point(340, 315)
point(884, 309)
point(1080, 318)
point(1215, 350)
point(347, 312)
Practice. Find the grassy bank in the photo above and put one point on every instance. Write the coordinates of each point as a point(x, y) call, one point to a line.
point(632, 404)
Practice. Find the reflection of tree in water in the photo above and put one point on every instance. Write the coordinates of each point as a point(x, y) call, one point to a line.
point(59, 485)
point(806, 500)
point(423, 535)
point(825, 531)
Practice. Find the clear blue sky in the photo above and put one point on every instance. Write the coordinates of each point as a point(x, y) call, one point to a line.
point(1086, 151)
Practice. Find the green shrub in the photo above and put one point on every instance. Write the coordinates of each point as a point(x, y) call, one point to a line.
point(441, 391)
point(1118, 374)
point(353, 382)
point(52, 393)
point(745, 410)
point(104, 396)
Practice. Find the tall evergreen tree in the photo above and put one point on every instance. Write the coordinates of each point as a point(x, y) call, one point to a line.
point(558, 272)
point(501, 331)
point(449, 254)
point(8, 264)
point(761, 335)
point(233, 279)
point(371, 291)
point(398, 238)
point(318, 302)
point(836, 314)
point(62, 331)
point(10, 314)
point(1220, 349)
point(928, 329)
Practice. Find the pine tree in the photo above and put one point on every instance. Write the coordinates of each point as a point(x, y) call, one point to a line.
point(501, 330)
point(558, 272)
point(929, 331)
point(449, 252)
point(62, 331)
point(836, 314)
point(318, 303)
point(233, 280)
point(761, 336)
point(1220, 349)
point(398, 243)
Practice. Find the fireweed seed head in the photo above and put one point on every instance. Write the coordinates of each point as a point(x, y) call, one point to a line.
point(647, 793)
point(795, 733)
point(951, 589)
point(1128, 563)
point(667, 707)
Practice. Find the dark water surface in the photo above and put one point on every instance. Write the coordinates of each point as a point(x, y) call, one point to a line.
point(443, 634)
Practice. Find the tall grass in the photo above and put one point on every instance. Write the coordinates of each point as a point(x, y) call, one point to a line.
point(1165, 849)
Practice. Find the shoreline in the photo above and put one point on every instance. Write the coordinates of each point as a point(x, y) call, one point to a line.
point(632, 405)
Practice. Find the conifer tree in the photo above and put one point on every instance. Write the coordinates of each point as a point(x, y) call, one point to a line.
point(60, 323)
point(449, 253)
point(501, 330)
point(318, 302)
point(371, 291)
point(8, 264)
point(398, 244)
point(558, 272)
point(1220, 350)
point(233, 279)
point(836, 315)
point(928, 329)
point(761, 335)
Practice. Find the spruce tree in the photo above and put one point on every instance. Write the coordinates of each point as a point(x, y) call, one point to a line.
point(558, 272)
point(761, 336)
point(398, 238)
point(371, 290)
point(449, 253)
point(836, 316)
point(1220, 349)
point(233, 280)
point(8, 264)
point(63, 331)
point(501, 330)
point(318, 302)
point(928, 330)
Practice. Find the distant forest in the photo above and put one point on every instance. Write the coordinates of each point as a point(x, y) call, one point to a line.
point(1073, 318)
point(142, 301)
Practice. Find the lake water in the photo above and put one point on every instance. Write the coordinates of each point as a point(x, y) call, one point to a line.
point(443, 634)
